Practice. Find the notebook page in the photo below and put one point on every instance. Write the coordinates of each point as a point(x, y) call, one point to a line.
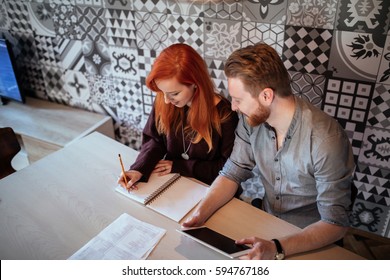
point(146, 189)
point(176, 201)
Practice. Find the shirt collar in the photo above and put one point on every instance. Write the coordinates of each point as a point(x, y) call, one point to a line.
point(297, 117)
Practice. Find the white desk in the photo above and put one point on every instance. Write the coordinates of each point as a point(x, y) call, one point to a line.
point(51, 208)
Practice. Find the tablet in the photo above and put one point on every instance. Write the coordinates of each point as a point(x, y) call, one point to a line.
point(216, 241)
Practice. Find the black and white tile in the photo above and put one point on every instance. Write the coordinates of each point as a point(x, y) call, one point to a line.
point(309, 87)
point(307, 49)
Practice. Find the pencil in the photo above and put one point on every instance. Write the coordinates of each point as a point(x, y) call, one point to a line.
point(123, 169)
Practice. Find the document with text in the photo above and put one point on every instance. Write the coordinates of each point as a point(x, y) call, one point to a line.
point(127, 238)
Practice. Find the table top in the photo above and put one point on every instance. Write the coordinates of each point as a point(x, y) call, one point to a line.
point(53, 207)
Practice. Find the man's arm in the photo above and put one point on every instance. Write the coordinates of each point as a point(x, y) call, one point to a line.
point(312, 237)
point(221, 191)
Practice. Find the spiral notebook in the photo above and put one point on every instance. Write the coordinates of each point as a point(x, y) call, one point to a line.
point(171, 195)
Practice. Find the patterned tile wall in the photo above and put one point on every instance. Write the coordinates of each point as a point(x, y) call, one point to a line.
point(95, 55)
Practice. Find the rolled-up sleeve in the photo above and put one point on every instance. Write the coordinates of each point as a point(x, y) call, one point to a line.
point(334, 169)
point(241, 162)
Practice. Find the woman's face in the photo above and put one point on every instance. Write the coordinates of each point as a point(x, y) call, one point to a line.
point(176, 93)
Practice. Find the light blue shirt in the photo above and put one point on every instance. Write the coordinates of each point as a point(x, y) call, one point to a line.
point(309, 178)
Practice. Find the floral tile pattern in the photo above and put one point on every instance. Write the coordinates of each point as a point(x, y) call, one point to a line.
point(102, 90)
point(76, 86)
point(65, 20)
point(355, 56)
point(41, 17)
point(312, 13)
point(221, 38)
point(97, 58)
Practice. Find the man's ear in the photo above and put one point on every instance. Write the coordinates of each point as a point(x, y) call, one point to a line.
point(266, 96)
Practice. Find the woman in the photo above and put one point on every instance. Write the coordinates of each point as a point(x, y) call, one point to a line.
point(191, 127)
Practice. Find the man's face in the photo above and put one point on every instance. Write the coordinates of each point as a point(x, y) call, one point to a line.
point(244, 102)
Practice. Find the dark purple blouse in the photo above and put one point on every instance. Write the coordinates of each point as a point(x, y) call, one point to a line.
point(202, 165)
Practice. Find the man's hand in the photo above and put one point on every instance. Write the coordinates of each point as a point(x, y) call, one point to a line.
point(193, 221)
point(261, 249)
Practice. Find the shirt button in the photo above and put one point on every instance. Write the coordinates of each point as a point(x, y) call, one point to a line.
point(277, 198)
point(276, 160)
point(277, 178)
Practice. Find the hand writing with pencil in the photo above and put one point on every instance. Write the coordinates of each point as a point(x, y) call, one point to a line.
point(127, 179)
point(132, 177)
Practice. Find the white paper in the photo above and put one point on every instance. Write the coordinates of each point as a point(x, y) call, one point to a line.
point(124, 239)
point(175, 201)
point(178, 200)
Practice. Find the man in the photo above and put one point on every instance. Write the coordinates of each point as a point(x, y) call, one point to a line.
point(303, 155)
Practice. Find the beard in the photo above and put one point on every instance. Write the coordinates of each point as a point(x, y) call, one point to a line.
point(260, 116)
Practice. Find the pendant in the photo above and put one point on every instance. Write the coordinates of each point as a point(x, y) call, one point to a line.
point(185, 156)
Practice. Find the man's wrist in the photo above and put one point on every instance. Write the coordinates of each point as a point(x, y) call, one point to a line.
point(279, 250)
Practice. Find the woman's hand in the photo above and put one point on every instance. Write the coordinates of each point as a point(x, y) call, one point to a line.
point(132, 177)
point(163, 167)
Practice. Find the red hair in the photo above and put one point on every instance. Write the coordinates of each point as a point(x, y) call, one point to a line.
point(182, 62)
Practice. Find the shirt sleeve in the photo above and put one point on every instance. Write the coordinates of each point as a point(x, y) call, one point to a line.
point(333, 170)
point(241, 162)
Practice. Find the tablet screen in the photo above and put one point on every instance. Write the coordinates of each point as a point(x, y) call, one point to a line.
point(215, 239)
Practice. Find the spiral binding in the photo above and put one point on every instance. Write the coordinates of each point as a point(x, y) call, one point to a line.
point(154, 195)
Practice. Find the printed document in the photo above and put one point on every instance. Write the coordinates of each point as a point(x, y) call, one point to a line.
point(127, 238)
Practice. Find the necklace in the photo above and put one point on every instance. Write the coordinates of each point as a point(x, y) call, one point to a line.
point(184, 155)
